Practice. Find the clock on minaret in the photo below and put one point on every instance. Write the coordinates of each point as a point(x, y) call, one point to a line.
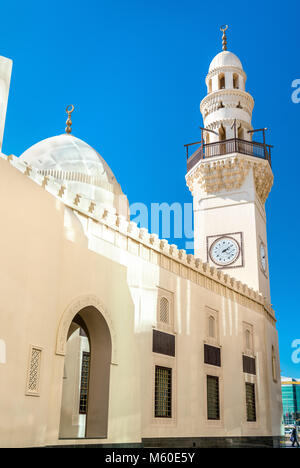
point(225, 250)
point(230, 177)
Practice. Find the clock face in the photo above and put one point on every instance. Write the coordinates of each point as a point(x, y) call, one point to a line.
point(263, 256)
point(224, 251)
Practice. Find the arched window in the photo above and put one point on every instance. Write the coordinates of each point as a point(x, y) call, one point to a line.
point(241, 133)
point(222, 133)
point(235, 81)
point(248, 339)
point(211, 327)
point(274, 365)
point(164, 310)
point(222, 81)
point(210, 86)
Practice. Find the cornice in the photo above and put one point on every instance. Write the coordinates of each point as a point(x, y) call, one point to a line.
point(216, 96)
point(229, 173)
point(113, 228)
point(215, 125)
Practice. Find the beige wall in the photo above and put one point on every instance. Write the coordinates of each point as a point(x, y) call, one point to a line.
point(53, 260)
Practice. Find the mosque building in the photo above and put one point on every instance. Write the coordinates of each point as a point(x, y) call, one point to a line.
point(109, 335)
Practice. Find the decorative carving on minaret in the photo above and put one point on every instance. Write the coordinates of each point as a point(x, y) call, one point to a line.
point(229, 174)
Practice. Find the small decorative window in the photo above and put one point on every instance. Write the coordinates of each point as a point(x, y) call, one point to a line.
point(213, 403)
point(250, 402)
point(274, 365)
point(33, 377)
point(164, 310)
point(211, 327)
point(248, 339)
point(163, 392)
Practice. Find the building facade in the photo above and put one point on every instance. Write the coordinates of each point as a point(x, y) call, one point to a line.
point(290, 400)
point(112, 336)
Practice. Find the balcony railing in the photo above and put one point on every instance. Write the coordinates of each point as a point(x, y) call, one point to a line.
point(219, 148)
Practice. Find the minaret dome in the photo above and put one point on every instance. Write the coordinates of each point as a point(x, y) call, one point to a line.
point(227, 101)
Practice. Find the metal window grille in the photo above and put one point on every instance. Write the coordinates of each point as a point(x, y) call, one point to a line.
point(213, 405)
point(163, 392)
point(34, 371)
point(250, 402)
point(164, 315)
point(84, 385)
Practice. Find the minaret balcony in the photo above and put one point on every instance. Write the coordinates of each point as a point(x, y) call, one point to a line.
point(231, 146)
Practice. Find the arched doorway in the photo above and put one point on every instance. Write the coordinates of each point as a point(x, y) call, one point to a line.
point(85, 393)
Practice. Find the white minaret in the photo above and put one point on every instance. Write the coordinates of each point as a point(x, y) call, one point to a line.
point(230, 178)
point(5, 74)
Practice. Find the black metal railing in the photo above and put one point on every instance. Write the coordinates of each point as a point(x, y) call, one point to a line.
point(219, 148)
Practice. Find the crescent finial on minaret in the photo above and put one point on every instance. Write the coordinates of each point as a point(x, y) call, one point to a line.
point(224, 28)
point(69, 110)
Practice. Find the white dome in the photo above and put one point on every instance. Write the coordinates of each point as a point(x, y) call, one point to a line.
point(225, 59)
point(78, 167)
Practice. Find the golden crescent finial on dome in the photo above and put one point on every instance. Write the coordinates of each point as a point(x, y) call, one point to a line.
point(224, 28)
point(69, 110)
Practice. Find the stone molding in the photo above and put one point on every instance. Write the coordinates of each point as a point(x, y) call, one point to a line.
point(229, 173)
point(234, 94)
point(216, 124)
point(229, 98)
point(126, 235)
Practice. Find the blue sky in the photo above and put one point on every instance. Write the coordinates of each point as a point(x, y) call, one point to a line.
point(135, 72)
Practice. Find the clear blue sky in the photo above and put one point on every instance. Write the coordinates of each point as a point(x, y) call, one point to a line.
point(135, 72)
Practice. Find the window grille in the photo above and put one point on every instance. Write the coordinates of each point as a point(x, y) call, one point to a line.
point(84, 385)
point(250, 402)
point(164, 310)
point(33, 376)
point(213, 404)
point(163, 392)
